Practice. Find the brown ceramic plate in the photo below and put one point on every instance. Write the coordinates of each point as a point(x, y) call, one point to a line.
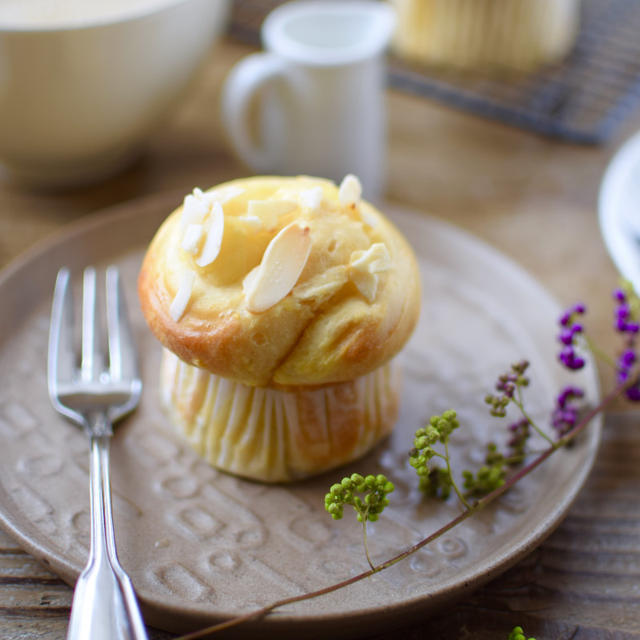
point(201, 545)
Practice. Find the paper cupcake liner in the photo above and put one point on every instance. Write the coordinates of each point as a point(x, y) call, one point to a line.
point(274, 435)
point(473, 34)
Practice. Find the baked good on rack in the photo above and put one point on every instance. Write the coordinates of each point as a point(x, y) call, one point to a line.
point(518, 35)
point(280, 303)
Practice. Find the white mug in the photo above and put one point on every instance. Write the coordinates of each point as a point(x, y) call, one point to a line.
point(320, 88)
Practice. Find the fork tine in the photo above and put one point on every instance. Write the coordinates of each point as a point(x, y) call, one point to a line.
point(61, 358)
point(123, 363)
point(92, 359)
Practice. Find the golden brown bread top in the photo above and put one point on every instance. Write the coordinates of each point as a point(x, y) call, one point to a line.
point(340, 282)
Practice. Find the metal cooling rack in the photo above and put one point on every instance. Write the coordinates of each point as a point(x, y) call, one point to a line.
point(581, 100)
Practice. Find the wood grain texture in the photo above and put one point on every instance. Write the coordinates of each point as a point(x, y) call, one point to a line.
point(533, 199)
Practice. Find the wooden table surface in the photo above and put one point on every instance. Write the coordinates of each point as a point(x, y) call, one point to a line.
point(533, 199)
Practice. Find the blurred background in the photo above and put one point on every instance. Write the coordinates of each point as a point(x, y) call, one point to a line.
point(565, 68)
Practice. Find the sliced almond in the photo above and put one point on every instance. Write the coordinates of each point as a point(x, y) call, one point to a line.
point(375, 259)
point(367, 283)
point(194, 209)
point(252, 221)
point(270, 211)
point(191, 238)
point(183, 295)
point(221, 194)
point(365, 267)
point(311, 198)
point(350, 191)
point(225, 194)
point(281, 266)
point(197, 204)
point(322, 286)
point(368, 218)
point(215, 231)
point(249, 279)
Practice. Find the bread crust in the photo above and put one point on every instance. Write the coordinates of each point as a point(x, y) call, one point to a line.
point(324, 331)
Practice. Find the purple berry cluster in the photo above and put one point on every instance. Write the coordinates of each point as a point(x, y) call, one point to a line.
point(507, 384)
point(569, 331)
point(566, 413)
point(629, 328)
point(520, 432)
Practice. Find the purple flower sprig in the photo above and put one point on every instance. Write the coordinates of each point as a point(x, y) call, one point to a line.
point(566, 413)
point(520, 433)
point(625, 321)
point(570, 330)
point(510, 386)
point(626, 324)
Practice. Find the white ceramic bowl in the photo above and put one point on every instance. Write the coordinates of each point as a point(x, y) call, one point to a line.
point(619, 210)
point(78, 99)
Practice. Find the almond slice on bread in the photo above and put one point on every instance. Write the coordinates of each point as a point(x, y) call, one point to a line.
point(281, 266)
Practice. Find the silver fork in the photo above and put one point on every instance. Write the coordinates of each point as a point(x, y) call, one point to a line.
point(94, 396)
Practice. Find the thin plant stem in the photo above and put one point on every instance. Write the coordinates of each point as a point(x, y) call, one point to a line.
point(520, 404)
point(599, 353)
point(365, 544)
point(477, 506)
point(453, 482)
point(513, 460)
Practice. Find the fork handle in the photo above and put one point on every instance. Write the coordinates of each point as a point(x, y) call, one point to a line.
point(104, 603)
